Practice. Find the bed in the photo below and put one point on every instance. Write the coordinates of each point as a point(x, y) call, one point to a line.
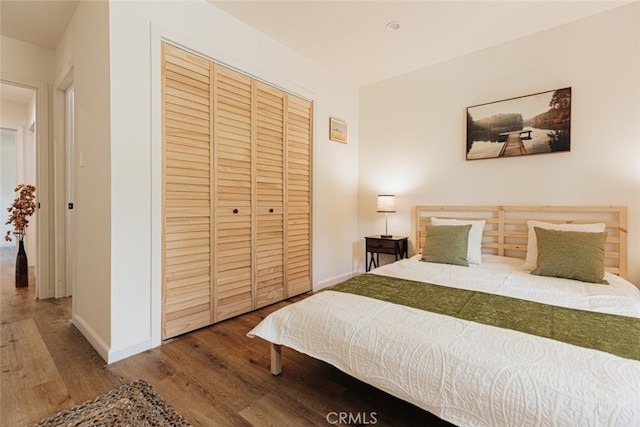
point(520, 346)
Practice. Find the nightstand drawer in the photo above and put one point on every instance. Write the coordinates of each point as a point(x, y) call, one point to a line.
point(376, 245)
point(381, 246)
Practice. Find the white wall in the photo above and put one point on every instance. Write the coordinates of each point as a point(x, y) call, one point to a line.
point(85, 48)
point(23, 61)
point(412, 127)
point(135, 150)
point(8, 149)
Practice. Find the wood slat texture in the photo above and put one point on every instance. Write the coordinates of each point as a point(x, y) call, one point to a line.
point(298, 171)
point(270, 189)
point(187, 173)
point(236, 193)
point(506, 231)
point(233, 244)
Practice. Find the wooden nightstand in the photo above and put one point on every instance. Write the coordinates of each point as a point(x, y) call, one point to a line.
point(376, 245)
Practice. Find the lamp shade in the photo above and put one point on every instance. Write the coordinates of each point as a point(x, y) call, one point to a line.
point(386, 203)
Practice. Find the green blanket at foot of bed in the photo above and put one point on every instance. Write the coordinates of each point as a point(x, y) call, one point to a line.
point(618, 335)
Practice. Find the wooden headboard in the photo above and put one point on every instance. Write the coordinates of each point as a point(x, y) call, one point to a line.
point(505, 232)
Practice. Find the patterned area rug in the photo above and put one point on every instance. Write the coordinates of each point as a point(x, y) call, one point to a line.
point(134, 404)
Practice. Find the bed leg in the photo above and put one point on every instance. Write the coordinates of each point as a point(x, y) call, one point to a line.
point(276, 359)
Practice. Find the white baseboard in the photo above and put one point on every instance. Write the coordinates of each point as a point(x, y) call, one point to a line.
point(94, 339)
point(129, 349)
point(333, 281)
point(109, 354)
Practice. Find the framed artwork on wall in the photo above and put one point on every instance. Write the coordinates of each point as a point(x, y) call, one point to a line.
point(337, 130)
point(531, 124)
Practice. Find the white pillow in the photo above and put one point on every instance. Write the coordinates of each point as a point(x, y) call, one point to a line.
point(531, 261)
point(474, 246)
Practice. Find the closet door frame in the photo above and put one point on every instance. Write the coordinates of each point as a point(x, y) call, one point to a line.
point(213, 301)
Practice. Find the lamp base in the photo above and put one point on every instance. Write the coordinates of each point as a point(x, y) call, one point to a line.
point(386, 236)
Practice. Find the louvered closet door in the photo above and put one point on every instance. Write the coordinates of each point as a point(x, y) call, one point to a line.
point(298, 227)
point(233, 193)
point(186, 192)
point(269, 253)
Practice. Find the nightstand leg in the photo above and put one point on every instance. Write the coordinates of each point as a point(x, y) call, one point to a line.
point(370, 261)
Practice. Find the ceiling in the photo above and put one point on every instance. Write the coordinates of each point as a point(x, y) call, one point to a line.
point(350, 36)
point(38, 22)
point(15, 94)
point(41, 23)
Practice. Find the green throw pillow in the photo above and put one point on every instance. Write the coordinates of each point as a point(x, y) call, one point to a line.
point(577, 255)
point(446, 244)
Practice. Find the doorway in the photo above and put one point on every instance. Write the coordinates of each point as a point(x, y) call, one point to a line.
point(18, 157)
point(69, 190)
point(64, 159)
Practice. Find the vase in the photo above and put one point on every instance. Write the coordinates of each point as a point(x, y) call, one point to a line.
point(22, 266)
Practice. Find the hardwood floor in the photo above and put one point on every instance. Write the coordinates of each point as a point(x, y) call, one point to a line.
point(213, 376)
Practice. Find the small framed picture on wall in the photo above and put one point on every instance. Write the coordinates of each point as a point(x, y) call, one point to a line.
point(337, 130)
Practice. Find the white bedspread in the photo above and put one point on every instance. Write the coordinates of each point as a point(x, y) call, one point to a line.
point(468, 373)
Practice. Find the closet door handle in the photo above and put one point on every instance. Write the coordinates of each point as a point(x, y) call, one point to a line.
point(235, 211)
point(271, 210)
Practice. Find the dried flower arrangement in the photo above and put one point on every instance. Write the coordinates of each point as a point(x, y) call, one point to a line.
point(20, 210)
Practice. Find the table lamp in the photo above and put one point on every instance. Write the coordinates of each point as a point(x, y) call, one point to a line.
point(386, 205)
